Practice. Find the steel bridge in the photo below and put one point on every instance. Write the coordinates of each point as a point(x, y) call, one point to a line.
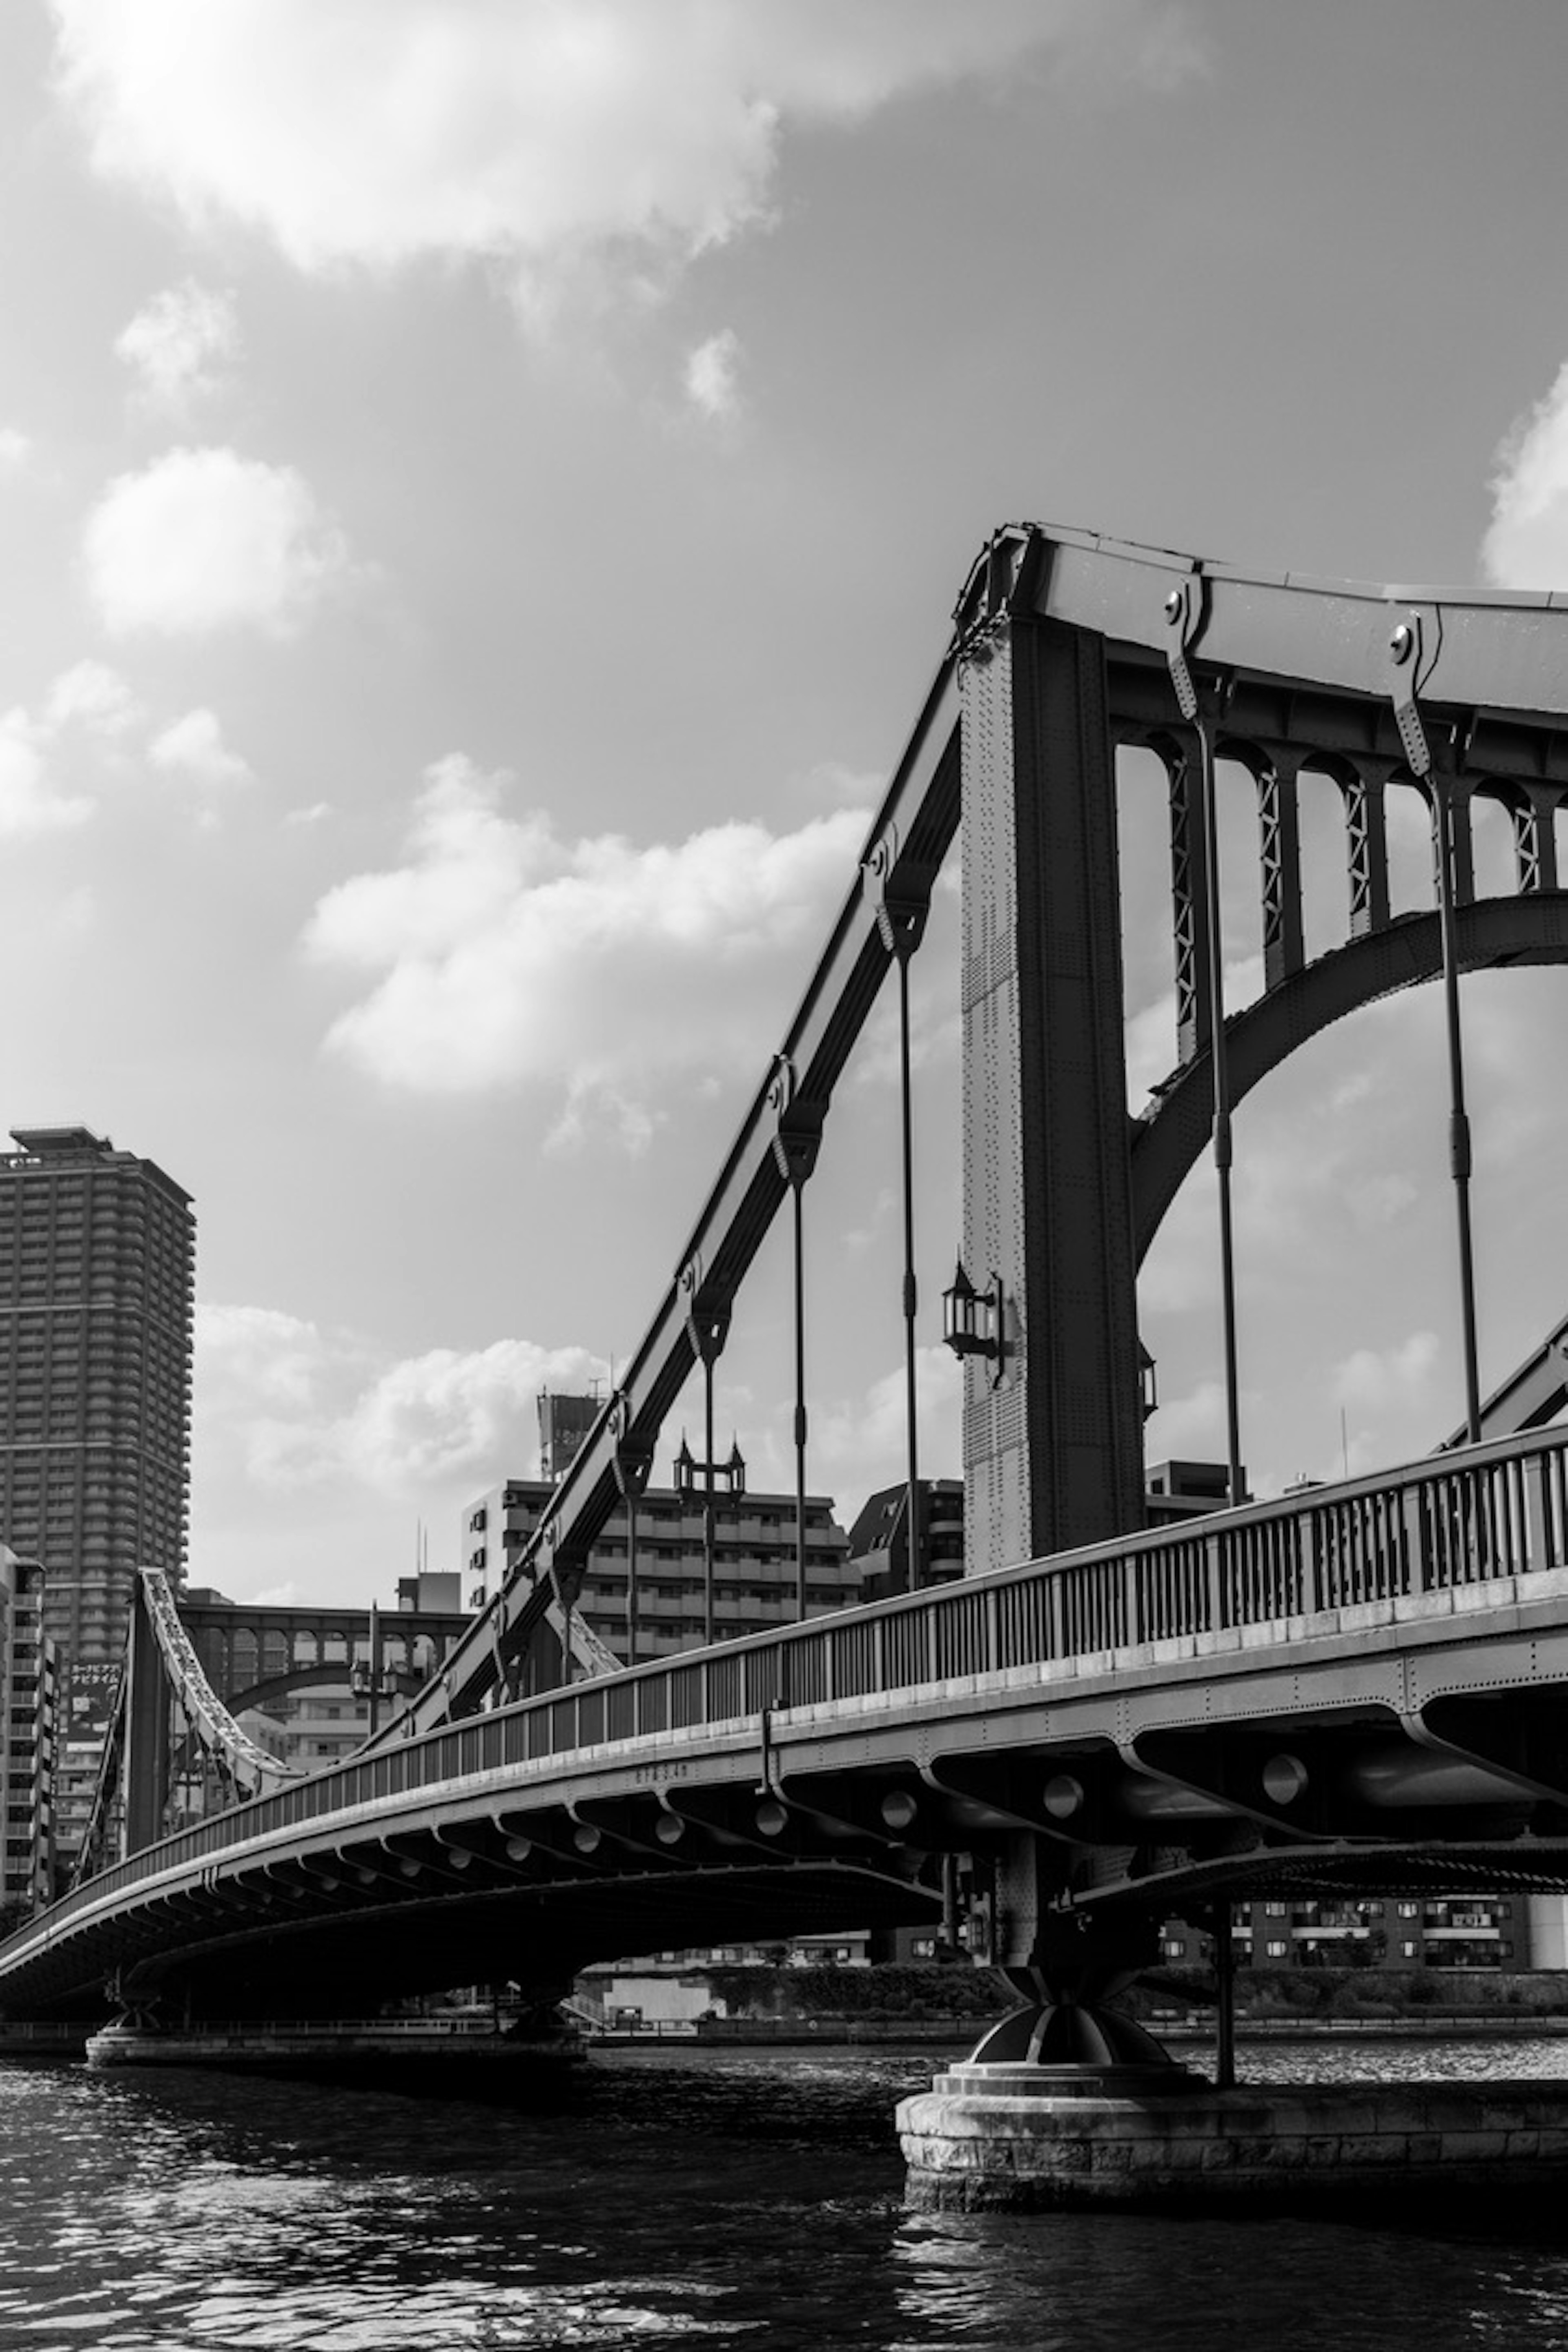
point(1358, 1687)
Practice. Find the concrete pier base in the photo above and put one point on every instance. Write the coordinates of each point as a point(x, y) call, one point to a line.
point(1000, 2138)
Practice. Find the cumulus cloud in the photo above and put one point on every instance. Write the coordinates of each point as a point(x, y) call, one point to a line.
point(90, 699)
point(867, 1436)
point(1372, 1378)
point(377, 131)
point(16, 449)
point(194, 748)
point(205, 540)
point(1526, 545)
point(31, 802)
point(181, 344)
point(714, 377)
point(1188, 1428)
point(91, 694)
point(498, 954)
point(294, 1405)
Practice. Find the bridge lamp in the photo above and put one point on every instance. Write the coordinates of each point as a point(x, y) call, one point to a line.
point(1284, 1779)
point(971, 1321)
point(1064, 1796)
point(772, 1818)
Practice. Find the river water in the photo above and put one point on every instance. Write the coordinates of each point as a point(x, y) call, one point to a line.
point(740, 2199)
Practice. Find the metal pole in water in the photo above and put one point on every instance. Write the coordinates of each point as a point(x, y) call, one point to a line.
point(1224, 1987)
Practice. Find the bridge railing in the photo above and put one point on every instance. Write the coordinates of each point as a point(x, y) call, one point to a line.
point(1432, 1531)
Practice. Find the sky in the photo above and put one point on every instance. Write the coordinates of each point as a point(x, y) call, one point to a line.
point(482, 487)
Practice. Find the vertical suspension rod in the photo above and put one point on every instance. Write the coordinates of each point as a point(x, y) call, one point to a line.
point(1220, 1075)
point(911, 1295)
point(707, 1522)
point(798, 1189)
point(1459, 1157)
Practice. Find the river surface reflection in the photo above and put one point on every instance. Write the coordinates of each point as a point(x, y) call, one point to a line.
point(751, 2199)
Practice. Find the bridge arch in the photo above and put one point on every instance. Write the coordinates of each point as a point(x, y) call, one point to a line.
point(1493, 934)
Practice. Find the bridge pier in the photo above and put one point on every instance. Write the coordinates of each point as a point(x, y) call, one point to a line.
point(1035, 2139)
point(1068, 2105)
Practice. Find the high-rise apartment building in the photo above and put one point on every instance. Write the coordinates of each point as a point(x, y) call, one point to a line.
point(97, 1251)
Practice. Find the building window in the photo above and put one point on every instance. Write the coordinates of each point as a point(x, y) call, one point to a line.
point(1276, 1949)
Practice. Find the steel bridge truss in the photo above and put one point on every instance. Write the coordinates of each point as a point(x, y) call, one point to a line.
point(165, 1710)
point(1065, 647)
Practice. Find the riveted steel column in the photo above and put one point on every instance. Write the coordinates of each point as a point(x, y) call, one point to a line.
point(1052, 1448)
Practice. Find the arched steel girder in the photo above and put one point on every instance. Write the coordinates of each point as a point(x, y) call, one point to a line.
point(408, 1679)
point(1492, 933)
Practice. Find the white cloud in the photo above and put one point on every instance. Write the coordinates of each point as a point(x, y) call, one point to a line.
point(501, 954)
point(194, 748)
point(1190, 1428)
point(377, 131)
point(206, 539)
point(16, 449)
point(30, 801)
point(181, 344)
point(868, 1436)
point(258, 1356)
point(1526, 545)
point(315, 812)
point(1374, 1380)
point(714, 377)
point(91, 694)
point(290, 1405)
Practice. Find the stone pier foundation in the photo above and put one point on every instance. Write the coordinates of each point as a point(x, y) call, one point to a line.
point(1042, 2139)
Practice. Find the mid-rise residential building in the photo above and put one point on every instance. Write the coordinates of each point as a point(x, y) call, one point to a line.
point(1432, 1931)
point(880, 1539)
point(27, 1740)
point(755, 1577)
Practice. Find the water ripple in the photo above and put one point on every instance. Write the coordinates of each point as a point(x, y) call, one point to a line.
point(746, 2200)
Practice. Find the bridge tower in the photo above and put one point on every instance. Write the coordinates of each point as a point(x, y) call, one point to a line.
point(1052, 1428)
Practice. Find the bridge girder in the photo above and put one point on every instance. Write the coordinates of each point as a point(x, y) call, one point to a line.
point(1404, 1756)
